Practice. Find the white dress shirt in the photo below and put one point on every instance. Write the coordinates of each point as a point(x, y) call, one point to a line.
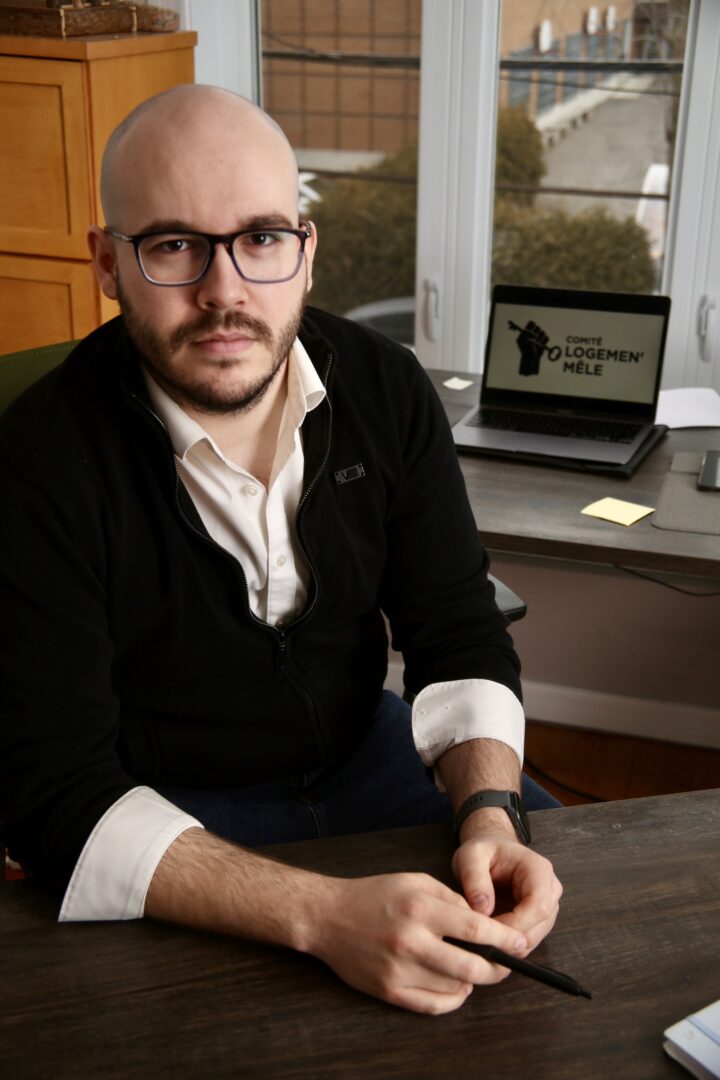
point(255, 524)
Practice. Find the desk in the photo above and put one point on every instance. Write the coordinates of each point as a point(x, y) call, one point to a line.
point(525, 509)
point(638, 926)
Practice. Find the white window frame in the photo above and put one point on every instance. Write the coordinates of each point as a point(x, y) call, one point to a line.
point(692, 266)
point(228, 48)
point(456, 171)
point(458, 110)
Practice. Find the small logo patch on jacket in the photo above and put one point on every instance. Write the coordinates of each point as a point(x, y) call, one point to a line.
point(353, 472)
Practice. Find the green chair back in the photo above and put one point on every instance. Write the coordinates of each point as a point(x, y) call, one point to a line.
point(19, 370)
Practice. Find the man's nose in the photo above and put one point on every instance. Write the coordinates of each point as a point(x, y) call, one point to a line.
point(221, 287)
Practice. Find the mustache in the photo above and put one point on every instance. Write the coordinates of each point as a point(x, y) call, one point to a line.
point(210, 322)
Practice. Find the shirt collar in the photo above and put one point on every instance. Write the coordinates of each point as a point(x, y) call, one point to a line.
point(305, 393)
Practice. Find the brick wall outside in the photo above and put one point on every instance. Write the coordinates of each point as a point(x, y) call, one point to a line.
point(328, 106)
point(341, 107)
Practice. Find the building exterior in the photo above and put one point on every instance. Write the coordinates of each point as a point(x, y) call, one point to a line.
point(367, 100)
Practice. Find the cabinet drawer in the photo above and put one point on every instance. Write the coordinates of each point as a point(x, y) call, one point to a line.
point(43, 301)
point(45, 188)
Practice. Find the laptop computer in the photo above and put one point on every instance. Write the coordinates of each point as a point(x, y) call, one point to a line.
point(570, 378)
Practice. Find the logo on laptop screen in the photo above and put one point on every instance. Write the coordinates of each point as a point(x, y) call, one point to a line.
point(580, 354)
point(532, 341)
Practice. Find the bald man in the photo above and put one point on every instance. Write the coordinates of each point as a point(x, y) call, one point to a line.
point(210, 508)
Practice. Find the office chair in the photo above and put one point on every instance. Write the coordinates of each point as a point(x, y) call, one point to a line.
point(19, 370)
point(511, 605)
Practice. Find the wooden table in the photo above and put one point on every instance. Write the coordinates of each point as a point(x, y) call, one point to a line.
point(528, 509)
point(638, 926)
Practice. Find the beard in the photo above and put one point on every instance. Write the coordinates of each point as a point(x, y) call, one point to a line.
point(190, 387)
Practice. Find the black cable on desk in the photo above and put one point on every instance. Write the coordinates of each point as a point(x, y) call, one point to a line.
point(558, 783)
point(666, 584)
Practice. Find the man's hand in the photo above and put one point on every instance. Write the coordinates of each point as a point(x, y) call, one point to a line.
point(384, 935)
point(491, 860)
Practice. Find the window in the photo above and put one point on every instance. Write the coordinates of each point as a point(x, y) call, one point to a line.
point(459, 45)
point(342, 80)
point(458, 130)
point(584, 154)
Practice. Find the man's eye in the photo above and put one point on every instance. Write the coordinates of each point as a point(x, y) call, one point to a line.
point(177, 244)
point(172, 245)
point(262, 239)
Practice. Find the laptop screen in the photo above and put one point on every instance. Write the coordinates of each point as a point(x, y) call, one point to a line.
point(575, 348)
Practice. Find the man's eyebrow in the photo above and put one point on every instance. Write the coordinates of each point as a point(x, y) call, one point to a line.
point(269, 221)
point(260, 221)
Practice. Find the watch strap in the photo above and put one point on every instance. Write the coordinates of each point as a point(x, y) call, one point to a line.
point(509, 801)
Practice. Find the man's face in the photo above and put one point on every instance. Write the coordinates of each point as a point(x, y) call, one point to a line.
point(204, 361)
point(215, 345)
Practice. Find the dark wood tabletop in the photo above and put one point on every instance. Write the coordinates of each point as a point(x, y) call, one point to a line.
point(638, 926)
point(529, 509)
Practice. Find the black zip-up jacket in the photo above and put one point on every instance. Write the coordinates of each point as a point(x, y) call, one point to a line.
point(128, 651)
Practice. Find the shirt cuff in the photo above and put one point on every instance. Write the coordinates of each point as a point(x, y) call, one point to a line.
point(446, 714)
point(113, 873)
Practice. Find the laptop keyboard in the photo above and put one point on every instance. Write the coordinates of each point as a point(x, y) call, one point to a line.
point(573, 427)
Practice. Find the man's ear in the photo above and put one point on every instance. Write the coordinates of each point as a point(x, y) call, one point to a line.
point(104, 257)
point(310, 249)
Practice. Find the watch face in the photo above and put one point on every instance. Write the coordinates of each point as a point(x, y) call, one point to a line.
point(520, 818)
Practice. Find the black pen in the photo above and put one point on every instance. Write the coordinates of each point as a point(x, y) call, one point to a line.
point(524, 967)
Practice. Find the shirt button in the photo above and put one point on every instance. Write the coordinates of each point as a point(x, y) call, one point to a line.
point(250, 489)
point(281, 560)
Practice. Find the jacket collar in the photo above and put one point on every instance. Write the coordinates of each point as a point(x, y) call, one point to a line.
point(305, 392)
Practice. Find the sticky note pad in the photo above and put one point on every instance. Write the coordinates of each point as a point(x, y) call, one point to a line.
point(622, 513)
point(457, 384)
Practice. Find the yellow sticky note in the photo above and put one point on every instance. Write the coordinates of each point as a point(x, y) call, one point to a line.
point(622, 513)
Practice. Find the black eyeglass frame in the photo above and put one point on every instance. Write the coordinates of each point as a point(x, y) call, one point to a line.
point(227, 240)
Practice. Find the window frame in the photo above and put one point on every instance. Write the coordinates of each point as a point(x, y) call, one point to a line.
point(228, 52)
point(456, 171)
point(692, 265)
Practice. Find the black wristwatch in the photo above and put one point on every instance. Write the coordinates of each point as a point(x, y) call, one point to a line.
point(511, 803)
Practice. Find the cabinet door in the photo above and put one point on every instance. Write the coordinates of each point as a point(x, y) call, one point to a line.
point(43, 301)
point(45, 189)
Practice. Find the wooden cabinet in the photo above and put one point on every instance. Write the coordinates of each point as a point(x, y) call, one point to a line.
point(59, 102)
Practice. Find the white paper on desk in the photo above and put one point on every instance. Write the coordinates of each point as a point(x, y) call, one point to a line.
point(689, 406)
point(695, 1042)
point(458, 384)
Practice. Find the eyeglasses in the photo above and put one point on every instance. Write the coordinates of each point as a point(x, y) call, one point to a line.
point(261, 256)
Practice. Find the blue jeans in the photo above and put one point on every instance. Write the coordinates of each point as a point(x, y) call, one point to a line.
point(382, 784)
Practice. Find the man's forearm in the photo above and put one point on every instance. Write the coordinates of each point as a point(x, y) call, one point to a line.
point(212, 884)
point(480, 765)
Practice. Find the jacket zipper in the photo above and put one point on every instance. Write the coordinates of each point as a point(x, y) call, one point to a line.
point(280, 634)
point(212, 542)
point(306, 495)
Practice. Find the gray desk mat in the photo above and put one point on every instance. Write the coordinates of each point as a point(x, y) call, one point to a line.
point(682, 506)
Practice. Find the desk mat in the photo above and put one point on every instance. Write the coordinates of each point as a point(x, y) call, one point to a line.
point(682, 506)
